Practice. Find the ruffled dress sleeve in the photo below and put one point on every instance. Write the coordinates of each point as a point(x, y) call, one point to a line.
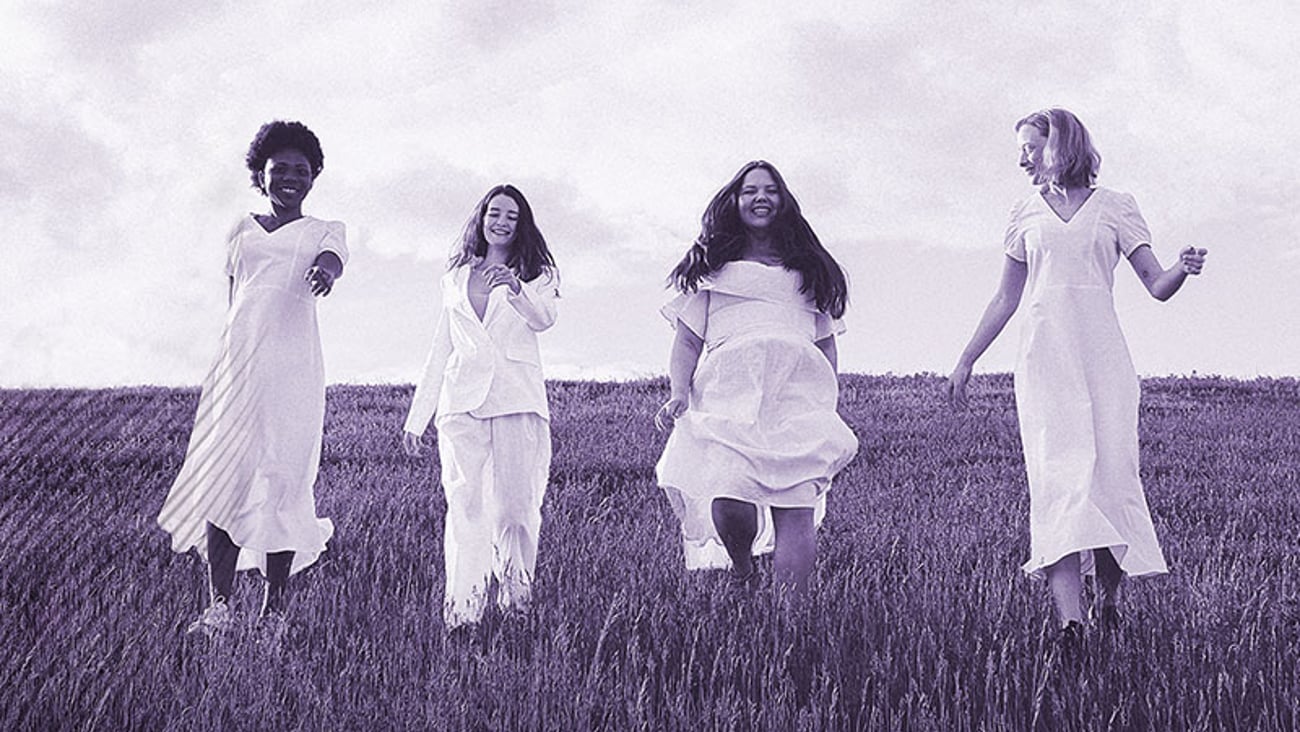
point(691, 309)
point(1131, 229)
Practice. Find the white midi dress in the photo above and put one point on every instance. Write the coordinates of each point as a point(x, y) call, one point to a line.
point(250, 468)
point(760, 425)
point(1076, 389)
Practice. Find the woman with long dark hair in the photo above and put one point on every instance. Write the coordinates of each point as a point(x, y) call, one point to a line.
point(483, 380)
point(755, 435)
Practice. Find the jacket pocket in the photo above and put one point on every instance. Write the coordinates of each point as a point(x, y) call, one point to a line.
point(524, 353)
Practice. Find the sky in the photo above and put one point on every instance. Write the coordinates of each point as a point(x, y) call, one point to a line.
point(124, 128)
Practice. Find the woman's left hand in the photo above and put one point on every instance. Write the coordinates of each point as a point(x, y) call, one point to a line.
point(499, 274)
point(320, 280)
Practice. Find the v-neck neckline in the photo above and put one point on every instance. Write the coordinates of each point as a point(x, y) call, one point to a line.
point(267, 231)
point(1077, 211)
point(487, 304)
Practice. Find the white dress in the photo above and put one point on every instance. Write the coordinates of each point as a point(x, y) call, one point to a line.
point(1076, 389)
point(255, 447)
point(760, 425)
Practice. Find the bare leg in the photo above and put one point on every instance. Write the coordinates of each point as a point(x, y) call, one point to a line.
point(1066, 585)
point(796, 546)
point(277, 581)
point(1109, 576)
point(222, 556)
point(737, 525)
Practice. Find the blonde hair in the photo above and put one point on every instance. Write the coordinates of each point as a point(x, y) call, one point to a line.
point(1069, 159)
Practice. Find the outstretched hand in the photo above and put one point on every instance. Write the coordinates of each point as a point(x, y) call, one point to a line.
point(1191, 260)
point(320, 280)
point(667, 415)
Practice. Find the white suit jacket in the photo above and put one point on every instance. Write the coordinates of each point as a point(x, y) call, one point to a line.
point(489, 367)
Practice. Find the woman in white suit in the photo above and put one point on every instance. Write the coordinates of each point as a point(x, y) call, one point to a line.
point(483, 380)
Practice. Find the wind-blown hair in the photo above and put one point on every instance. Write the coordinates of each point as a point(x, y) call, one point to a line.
point(722, 239)
point(1069, 159)
point(279, 135)
point(529, 256)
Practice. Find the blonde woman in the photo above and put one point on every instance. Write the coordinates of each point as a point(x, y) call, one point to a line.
point(1076, 388)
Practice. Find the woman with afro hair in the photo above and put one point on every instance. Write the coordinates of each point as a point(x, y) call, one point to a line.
point(244, 497)
point(755, 436)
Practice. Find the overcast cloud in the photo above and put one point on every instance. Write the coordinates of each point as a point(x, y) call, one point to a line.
point(124, 128)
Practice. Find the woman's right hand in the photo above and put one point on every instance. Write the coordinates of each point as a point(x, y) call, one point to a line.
point(1191, 259)
point(667, 415)
point(957, 386)
point(412, 443)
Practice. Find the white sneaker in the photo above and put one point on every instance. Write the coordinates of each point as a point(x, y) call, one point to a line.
point(215, 619)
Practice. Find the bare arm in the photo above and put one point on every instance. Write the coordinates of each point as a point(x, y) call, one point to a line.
point(681, 371)
point(1163, 283)
point(827, 346)
point(999, 311)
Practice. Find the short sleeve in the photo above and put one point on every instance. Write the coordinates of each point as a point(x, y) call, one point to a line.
point(691, 308)
point(828, 326)
point(1131, 229)
point(335, 240)
point(232, 241)
point(1014, 240)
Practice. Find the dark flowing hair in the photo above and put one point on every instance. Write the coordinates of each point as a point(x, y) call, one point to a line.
point(529, 256)
point(722, 239)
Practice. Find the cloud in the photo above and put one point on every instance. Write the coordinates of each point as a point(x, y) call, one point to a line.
point(126, 128)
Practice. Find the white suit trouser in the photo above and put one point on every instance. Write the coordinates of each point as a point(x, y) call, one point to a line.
point(494, 474)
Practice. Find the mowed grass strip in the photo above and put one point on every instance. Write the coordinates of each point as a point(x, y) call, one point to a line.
point(919, 617)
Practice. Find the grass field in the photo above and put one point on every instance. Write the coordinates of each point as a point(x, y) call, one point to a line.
point(919, 618)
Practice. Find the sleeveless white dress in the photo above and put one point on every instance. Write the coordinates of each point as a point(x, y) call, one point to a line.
point(761, 424)
point(1076, 389)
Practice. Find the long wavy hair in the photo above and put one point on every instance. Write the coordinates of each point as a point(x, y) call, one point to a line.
point(723, 237)
point(1069, 159)
point(529, 255)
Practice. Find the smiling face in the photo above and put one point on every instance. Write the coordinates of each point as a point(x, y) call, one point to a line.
point(759, 199)
point(1032, 143)
point(287, 178)
point(500, 220)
